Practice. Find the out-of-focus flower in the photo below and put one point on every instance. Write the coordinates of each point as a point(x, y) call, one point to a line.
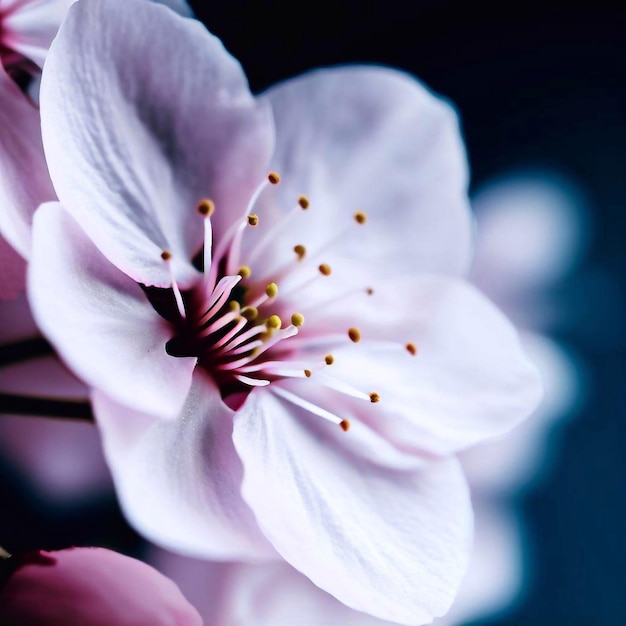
point(519, 217)
point(94, 586)
point(220, 421)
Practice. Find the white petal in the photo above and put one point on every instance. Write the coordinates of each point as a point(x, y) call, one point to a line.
point(390, 543)
point(374, 140)
point(100, 321)
point(469, 381)
point(178, 481)
point(143, 115)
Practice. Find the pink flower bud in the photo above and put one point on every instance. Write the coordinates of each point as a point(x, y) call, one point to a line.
point(94, 586)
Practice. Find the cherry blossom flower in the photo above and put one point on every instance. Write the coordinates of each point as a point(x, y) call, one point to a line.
point(549, 210)
point(94, 586)
point(233, 327)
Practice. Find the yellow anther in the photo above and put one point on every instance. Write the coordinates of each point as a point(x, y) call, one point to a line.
point(244, 271)
point(303, 201)
point(206, 207)
point(345, 425)
point(274, 178)
point(250, 313)
point(360, 217)
point(411, 348)
point(329, 359)
point(308, 373)
point(324, 269)
point(253, 219)
point(374, 397)
point(273, 322)
point(369, 291)
point(166, 255)
point(297, 319)
point(354, 334)
point(271, 290)
point(233, 305)
point(300, 250)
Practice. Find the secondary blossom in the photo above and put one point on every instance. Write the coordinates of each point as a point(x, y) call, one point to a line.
point(229, 322)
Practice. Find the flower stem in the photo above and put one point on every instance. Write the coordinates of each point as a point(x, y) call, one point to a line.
point(12, 404)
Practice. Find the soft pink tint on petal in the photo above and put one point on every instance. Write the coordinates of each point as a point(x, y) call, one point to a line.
point(61, 459)
point(469, 380)
point(510, 462)
point(93, 586)
point(179, 481)
point(24, 180)
point(374, 140)
point(531, 230)
point(390, 543)
point(12, 272)
point(100, 320)
point(29, 27)
point(495, 573)
point(134, 143)
point(16, 321)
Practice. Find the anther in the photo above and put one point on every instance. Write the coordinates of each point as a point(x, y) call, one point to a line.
point(166, 255)
point(329, 359)
point(274, 178)
point(273, 322)
point(308, 373)
point(411, 348)
point(233, 305)
point(271, 290)
point(250, 313)
point(369, 291)
point(300, 250)
point(345, 425)
point(324, 269)
point(374, 397)
point(360, 217)
point(253, 219)
point(297, 319)
point(303, 201)
point(206, 207)
point(354, 334)
point(244, 271)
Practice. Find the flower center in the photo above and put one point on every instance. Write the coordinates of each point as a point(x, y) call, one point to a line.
point(240, 329)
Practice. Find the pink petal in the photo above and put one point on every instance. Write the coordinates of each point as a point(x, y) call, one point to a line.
point(178, 481)
point(12, 272)
point(24, 180)
point(390, 543)
point(94, 586)
point(142, 118)
point(100, 321)
point(16, 321)
point(374, 140)
point(30, 26)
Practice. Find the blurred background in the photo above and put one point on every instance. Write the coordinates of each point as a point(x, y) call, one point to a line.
point(541, 94)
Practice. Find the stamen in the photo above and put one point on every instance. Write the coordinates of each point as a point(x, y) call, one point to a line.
point(273, 178)
point(324, 269)
point(308, 373)
point(354, 334)
point(360, 217)
point(253, 382)
point(329, 359)
point(310, 407)
point(250, 313)
point(253, 219)
point(166, 255)
point(297, 319)
point(206, 207)
point(244, 271)
point(411, 348)
point(303, 201)
point(273, 322)
point(369, 291)
point(374, 397)
point(342, 387)
point(300, 251)
point(219, 296)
